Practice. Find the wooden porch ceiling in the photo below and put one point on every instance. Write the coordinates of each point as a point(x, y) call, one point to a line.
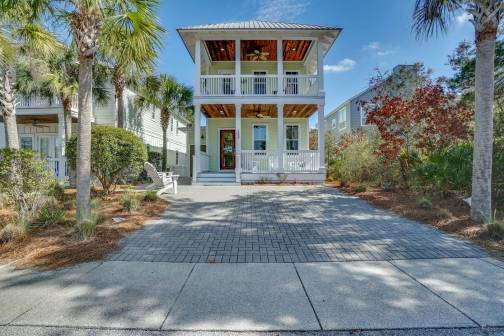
point(257, 50)
point(258, 110)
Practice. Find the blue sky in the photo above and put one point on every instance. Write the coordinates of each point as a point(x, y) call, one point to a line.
point(376, 33)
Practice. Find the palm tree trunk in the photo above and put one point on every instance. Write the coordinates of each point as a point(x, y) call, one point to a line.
point(67, 113)
point(164, 153)
point(84, 138)
point(119, 84)
point(481, 199)
point(7, 100)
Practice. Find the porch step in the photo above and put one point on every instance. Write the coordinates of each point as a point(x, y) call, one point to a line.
point(218, 178)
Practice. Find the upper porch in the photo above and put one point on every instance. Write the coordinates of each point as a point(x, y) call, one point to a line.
point(258, 59)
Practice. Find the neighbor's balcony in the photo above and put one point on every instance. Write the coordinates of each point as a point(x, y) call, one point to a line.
point(39, 102)
point(259, 85)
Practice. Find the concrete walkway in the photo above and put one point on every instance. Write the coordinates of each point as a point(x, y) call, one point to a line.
point(394, 296)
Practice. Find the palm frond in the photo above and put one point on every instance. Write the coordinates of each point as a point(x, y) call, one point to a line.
point(431, 17)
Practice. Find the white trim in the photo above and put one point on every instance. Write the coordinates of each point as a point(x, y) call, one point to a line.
point(267, 134)
point(218, 147)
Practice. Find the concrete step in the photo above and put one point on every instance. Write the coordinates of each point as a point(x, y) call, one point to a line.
point(216, 179)
point(224, 184)
point(217, 174)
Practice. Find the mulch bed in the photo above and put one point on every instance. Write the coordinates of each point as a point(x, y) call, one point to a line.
point(59, 246)
point(447, 214)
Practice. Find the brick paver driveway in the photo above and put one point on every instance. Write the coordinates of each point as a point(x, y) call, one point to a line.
point(283, 224)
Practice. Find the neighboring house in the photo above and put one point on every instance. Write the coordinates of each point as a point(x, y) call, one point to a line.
point(41, 128)
point(257, 83)
point(350, 115)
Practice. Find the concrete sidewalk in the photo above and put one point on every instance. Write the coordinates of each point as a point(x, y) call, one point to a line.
point(409, 295)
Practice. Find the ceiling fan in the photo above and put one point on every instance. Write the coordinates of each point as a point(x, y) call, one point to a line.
point(36, 124)
point(258, 55)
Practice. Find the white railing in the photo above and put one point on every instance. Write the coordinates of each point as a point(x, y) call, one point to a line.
point(220, 85)
point(36, 101)
point(259, 161)
point(301, 161)
point(301, 85)
point(268, 161)
point(259, 85)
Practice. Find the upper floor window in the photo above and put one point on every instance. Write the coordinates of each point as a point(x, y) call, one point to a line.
point(171, 124)
point(177, 128)
point(260, 137)
point(153, 115)
point(342, 119)
point(292, 137)
point(364, 112)
point(333, 123)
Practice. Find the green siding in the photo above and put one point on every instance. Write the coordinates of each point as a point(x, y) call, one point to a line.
point(214, 124)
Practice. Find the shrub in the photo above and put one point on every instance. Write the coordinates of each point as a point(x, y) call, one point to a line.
point(25, 181)
point(10, 232)
point(130, 201)
point(155, 159)
point(116, 153)
point(150, 196)
point(51, 216)
point(87, 228)
point(356, 161)
point(447, 170)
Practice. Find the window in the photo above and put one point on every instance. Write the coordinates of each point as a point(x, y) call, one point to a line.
point(26, 142)
point(260, 82)
point(176, 157)
point(171, 124)
point(259, 135)
point(333, 123)
point(153, 112)
point(292, 137)
point(291, 87)
point(342, 119)
point(176, 128)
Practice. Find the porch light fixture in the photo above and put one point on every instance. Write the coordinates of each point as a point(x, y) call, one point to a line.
point(293, 49)
point(221, 112)
point(222, 49)
point(259, 115)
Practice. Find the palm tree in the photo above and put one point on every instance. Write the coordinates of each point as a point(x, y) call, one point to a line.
point(21, 37)
point(171, 97)
point(130, 51)
point(89, 21)
point(433, 16)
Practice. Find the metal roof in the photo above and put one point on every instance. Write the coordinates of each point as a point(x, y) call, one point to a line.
point(257, 24)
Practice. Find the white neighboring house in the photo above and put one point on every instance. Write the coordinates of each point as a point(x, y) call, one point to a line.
point(41, 128)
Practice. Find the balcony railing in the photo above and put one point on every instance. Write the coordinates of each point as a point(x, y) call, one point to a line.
point(259, 85)
point(36, 101)
point(301, 161)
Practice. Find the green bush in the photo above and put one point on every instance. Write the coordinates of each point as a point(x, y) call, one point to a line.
point(356, 161)
point(130, 201)
point(150, 196)
point(51, 216)
point(447, 170)
point(25, 181)
point(155, 159)
point(116, 153)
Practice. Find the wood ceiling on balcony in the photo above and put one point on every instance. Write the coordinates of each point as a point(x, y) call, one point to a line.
point(257, 50)
point(255, 110)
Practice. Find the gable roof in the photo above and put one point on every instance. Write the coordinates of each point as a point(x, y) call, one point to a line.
point(258, 25)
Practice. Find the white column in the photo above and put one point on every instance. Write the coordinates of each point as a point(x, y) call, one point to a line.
point(280, 70)
point(321, 137)
point(238, 142)
point(197, 61)
point(60, 141)
point(237, 67)
point(197, 140)
point(281, 136)
point(320, 66)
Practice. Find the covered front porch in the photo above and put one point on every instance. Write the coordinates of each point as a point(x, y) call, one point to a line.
point(248, 143)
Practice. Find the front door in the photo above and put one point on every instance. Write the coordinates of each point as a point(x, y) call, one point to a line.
point(227, 149)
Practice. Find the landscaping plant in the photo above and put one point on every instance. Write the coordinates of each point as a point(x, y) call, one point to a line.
point(115, 154)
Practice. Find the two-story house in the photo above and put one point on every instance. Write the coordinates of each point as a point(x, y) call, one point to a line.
point(41, 128)
point(352, 114)
point(257, 83)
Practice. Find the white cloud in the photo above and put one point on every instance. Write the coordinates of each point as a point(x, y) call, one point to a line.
point(463, 18)
point(379, 50)
point(281, 10)
point(344, 65)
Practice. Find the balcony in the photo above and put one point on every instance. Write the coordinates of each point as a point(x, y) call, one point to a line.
point(39, 102)
point(259, 85)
